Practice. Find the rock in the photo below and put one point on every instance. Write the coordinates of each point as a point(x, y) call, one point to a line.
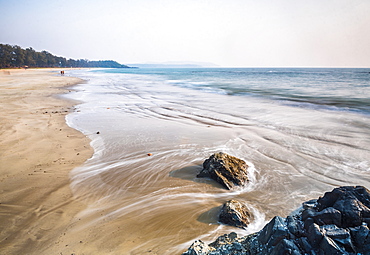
point(328, 246)
point(326, 216)
point(226, 170)
point(224, 239)
point(304, 245)
point(334, 224)
point(314, 235)
point(198, 248)
point(286, 247)
point(228, 244)
point(309, 204)
point(352, 202)
point(273, 232)
point(236, 214)
point(361, 238)
point(339, 235)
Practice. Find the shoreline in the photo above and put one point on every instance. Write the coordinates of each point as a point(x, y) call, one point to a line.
point(139, 192)
point(38, 150)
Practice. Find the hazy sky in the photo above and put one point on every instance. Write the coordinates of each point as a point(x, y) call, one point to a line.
point(240, 33)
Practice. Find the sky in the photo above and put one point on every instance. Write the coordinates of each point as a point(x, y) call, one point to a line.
point(229, 33)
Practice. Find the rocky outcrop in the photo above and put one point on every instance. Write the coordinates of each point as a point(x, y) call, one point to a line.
point(225, 245)
point(235, 213)
point(336, 223)
point(226, 170)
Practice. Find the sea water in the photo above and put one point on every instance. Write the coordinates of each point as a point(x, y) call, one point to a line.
point(302, 131)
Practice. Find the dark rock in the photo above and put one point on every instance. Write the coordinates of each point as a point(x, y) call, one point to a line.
point(352, 202)
point(329, 216)
point(328, 200)
point(236, 214)
point(361, 238)
point(309, 204)
point(351, 210)
point(286, 247)
point(359, 235)
point(341, 236)
point(304, 245)
point(308, 213)
point(198, 248)
point(228, 244)
point(314, 235)
point(329, 247)
point(308, 222)
point(226, 170)
point(295, 226)
point(366, 220)
point(225, 239)
point(273, 232)
point(250, 243)
point(334, 224)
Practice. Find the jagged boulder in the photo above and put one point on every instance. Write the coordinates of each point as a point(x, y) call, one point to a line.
point(235, 213)
point(336, 223)
point(226, 170)
point(353, 203)
point(228, 244)
point(198, 248)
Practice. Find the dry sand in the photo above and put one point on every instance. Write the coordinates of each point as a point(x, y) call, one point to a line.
point(37, 152)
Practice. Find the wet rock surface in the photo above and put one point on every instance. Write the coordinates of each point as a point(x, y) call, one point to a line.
point(235, 213)
point(227, 170)
point(336, 223)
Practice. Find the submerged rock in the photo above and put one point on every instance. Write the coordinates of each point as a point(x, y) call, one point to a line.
point(226, 170)
point(336, 223)
point(236, 214)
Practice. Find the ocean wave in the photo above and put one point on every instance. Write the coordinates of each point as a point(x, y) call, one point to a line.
point(155, 133)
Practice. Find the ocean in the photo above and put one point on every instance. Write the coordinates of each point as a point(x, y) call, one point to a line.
point(303, 131)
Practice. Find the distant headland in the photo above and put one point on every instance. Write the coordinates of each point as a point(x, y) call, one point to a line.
point(13, 56)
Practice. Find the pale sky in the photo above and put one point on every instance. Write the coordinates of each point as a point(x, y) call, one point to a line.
point(230, 33)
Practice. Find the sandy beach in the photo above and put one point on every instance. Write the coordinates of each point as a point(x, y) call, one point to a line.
point(139, 194)
point(37, 152)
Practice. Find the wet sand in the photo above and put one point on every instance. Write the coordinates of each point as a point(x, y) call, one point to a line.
point(126, 202)
point(37, 152)
point(140, 204)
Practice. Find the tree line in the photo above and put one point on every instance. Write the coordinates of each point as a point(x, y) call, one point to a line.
point(13, 56)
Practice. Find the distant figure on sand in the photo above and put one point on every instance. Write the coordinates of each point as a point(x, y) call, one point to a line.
point(61, 72)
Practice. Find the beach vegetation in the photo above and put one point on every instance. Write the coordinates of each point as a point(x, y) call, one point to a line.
point(13, 56)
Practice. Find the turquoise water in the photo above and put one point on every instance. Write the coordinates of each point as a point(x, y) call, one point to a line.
point(335, 88)
point(302, 131)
